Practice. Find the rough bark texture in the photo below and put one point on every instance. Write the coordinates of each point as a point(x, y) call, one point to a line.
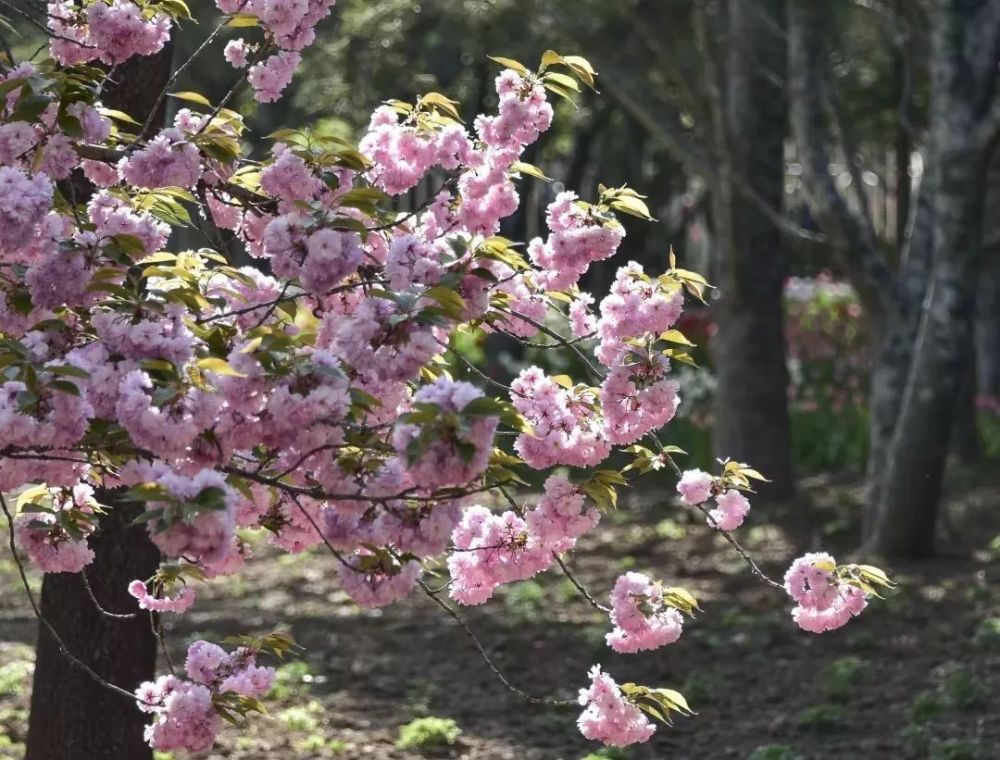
point(988, 298)
point(923, 314)
point(893, 347)
point(988, 327)
point(963, 72)
point(73, 717)
point(751, 413)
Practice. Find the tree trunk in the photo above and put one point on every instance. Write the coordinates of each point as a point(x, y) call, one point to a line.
point(904, 506)
point(904, 510)
point(892, 346)
point(73, 717)
point(988, 298)
point(751, 415)
point(965, 445)
point(988, 327)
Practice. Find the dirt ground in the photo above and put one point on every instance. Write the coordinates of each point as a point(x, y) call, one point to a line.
point(917, 676)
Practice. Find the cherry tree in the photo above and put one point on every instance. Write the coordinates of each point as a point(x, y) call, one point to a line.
point(313, 396)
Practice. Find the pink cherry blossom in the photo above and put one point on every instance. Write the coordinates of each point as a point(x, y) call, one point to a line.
point(609, 718)
point(641, 619)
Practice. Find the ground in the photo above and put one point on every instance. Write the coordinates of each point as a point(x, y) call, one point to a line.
point(916, 676)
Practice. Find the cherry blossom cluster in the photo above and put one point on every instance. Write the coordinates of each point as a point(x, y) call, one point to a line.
point(184, 715)
point(609, 717)
point(55, 538)
point(496, 549)
point(109, 32)
point(731, 507)
point(289, 27)
point(25, 200)
point(824, 601)
point(566, 426)
point(636, 306)
point(460, 449)
point(317, 396)
point(578, 236)
point(180, 602)
point(640, 616)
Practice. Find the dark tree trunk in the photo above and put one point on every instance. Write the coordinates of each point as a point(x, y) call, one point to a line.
point(905, 507)
point(988, 326)
point(751, 413)
point(893, 345)
point(73, 717)
point(988, 298)
point(965, 444)
point(907, 488)
point(902, 64)
point(922, 317)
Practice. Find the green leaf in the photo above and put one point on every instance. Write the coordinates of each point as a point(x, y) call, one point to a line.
point(680, 598)
point(30, 495)
point(633, 206)
point(483, 407)
point(67, 370)
point(676, 336)
point(522, 167)
point(675, 699)
point(874, 575)
point(510, 63)
point(178, 9)
point(241, 20)
point(451, 302)
point(442, 103)
point(581, 68)
point(562, 80)
point(65, 386)
point(12, 84)
point(111, 113)
point(158, 365)
point(550, 58)
point(604, 495)
point(146, 492)
point(218, 366)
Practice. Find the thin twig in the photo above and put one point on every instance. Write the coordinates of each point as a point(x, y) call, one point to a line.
point(487, 659)
point(579, 586)
point(144, 132)
point(751, 563)
point(156, 624)
point(97, 604)
point(554, 335)
point(454, 616)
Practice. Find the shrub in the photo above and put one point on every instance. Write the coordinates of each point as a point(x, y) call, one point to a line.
point(427, 733)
